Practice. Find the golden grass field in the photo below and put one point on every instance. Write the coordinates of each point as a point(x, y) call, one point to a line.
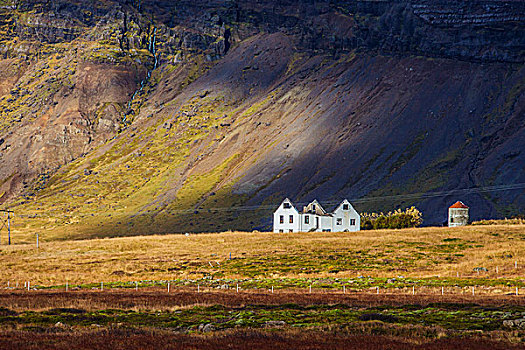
point(420, 252)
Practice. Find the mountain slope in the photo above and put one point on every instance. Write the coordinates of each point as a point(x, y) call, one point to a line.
point(204, 117)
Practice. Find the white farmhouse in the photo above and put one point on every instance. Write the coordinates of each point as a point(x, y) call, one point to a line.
point(314, 218)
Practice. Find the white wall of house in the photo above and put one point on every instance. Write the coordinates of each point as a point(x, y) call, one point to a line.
point(308, 222)
point(346, 218)
point(283, 215)
point(457, 217)
point(326, 224)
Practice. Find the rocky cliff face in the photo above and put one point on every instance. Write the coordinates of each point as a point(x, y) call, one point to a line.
point(128, 117)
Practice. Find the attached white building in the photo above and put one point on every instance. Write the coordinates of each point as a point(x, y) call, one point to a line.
point(314, 218)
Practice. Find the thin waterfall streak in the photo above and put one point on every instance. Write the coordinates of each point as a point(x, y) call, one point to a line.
point(152, 49)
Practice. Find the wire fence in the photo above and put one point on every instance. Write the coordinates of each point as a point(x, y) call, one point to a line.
point(345, 288)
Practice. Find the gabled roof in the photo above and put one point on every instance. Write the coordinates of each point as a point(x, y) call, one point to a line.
point(319, 210)
point(319, 206)
point(459, 204)
point(287, 200)
point(345, 201)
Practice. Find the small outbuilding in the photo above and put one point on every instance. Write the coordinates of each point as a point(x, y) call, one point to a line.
point(458, 214)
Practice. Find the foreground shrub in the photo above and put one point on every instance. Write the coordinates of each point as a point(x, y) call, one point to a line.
point(411, 217)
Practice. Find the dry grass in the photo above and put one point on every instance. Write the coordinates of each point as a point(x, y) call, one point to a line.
point(422, 252)
point(514, 221)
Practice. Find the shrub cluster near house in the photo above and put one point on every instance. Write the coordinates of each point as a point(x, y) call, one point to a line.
point(411, 217)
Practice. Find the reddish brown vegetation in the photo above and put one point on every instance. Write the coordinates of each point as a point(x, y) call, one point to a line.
point(158, 299)
point(115, 339)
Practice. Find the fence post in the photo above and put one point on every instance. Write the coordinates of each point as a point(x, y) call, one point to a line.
point(101, 285)
point(413, 290)
point(517, 291)
point(136, 286)
point(168, 287)
point(66, 286)
point(377, 290)
point(272, 289)
point(344, 289)
point(310, 289)
point(457, 274)
point(516, 264)
point(442, 290)
point(198, 288)
point(473, 292)
point(497, 270)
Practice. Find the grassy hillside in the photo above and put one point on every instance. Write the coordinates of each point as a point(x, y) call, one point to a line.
point(122, 118)
point(434, 255)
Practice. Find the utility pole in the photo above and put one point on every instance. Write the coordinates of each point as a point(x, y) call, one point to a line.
point(8, 226)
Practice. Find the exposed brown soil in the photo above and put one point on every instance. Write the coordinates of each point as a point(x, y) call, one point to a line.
point(159, 299)
point(115, 339)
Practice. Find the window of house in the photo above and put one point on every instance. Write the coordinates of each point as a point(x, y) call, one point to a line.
point(313, 207)
point(291, 219)
point(281, 219)
point(346, 207)
point(287, 206)
point(327, 230)
point(307, 219)
point(339, 221)
point(281, 231)
point(352, 222)
point(291, 231)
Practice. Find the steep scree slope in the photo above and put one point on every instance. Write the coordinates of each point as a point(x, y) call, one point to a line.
point(132, 117)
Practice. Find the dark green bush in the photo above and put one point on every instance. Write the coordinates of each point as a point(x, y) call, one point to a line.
point(411, 217)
